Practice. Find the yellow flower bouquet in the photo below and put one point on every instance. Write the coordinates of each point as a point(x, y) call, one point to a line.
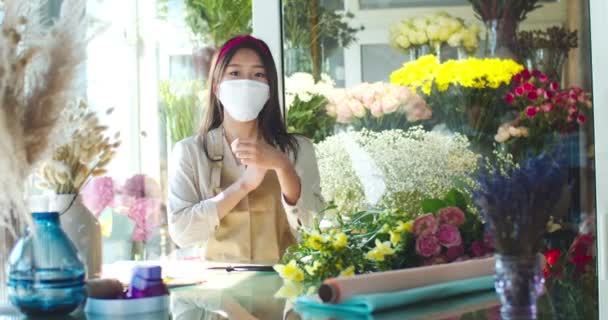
point(466, 95)
point(372, 241)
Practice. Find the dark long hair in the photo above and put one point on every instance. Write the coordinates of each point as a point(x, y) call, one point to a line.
point(270, 120)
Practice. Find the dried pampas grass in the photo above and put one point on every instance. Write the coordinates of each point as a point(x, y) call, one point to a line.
point(39, 77)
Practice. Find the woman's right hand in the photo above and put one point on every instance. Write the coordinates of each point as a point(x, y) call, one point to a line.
point(252, 178)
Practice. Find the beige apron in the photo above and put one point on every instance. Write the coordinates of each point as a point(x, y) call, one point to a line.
point(256, 230)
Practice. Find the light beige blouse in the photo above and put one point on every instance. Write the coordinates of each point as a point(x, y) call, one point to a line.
point(193, 218)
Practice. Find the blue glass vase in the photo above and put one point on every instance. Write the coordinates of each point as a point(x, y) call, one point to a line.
point(46, 277)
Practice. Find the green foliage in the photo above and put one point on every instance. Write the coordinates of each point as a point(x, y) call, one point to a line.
point(310, 118)
point(215, 21)
point(181, 107)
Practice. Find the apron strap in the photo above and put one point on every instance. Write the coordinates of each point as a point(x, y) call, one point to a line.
point(216, 149)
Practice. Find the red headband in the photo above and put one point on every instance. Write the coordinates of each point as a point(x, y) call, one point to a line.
point(239, 40)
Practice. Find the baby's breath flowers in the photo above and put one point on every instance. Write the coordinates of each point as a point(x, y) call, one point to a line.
point(411, 165)
point(86, 154)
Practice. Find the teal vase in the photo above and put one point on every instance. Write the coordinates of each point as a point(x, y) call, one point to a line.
point(45, 275)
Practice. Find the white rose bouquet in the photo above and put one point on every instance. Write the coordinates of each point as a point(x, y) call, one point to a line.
point(435, 30)
point(305, 101)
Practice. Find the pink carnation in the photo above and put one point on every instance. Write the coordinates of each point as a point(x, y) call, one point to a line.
point(581, 119)
point(427, 245)
point(454, 253)
point(528, 87)
point(449, 236)
point(509, 98)
point(478, 249)
point(531, 111)
point(425, 224)
point(451, 215)
point(98, 194)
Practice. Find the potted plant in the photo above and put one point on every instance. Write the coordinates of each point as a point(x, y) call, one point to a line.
point(213, 22)
point(312, 34)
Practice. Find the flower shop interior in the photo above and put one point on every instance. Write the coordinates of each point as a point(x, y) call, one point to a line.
point(461, 173)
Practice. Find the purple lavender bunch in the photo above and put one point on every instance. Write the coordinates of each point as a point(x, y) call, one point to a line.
point(517, 203)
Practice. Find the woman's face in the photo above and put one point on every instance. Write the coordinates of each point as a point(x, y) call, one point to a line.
point(245, 64)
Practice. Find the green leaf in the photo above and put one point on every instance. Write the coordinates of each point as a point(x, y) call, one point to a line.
point(456, 198)
point(432, 205)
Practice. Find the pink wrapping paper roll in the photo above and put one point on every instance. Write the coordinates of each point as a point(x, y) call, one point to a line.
point(336, 290)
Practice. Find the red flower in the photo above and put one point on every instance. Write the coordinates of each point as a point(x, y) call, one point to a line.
point(519, 91)
point(535, 73)
point(543, 78)
point(571, 117)
point(582, 244)
point(581, 262)
point(552, 255)
point(572, 109)
point(554, 86)
point(526, 74)
point(509, 98)
point(548, 94)
point(516, 78)
point(546, 272)
point(528, 87)
point(581, 119)
point(532, 96)
point(531, 111)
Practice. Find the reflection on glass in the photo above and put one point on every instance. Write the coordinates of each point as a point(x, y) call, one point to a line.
point(364, 117)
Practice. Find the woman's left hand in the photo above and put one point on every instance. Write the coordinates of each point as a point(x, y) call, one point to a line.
point(252, 152)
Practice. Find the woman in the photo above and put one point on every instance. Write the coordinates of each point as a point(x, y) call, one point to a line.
point(242, 186)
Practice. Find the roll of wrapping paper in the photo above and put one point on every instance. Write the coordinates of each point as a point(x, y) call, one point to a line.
point(336, 290)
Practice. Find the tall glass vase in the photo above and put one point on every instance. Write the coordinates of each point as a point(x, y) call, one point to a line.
point(519, 282)
point(501, 41)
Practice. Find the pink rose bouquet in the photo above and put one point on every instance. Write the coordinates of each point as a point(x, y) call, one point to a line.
point(377, 106)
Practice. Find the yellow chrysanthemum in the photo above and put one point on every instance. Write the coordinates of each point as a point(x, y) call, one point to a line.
point(469, 73)
point(340, 240)
point(312, 269)
point(290, 271)
point(348, 272)
point(315, 241)
point(395, 237)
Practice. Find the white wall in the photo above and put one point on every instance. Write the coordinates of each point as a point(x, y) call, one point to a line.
point(599, 56)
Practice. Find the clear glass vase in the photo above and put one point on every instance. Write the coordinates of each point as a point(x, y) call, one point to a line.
point(547, 60)
point(7, 241)
point(46, 277)
point(417, 51)
point(501, 41)
point(519, 282)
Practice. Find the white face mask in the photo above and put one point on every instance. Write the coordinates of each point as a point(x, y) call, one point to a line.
point(243, 99)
